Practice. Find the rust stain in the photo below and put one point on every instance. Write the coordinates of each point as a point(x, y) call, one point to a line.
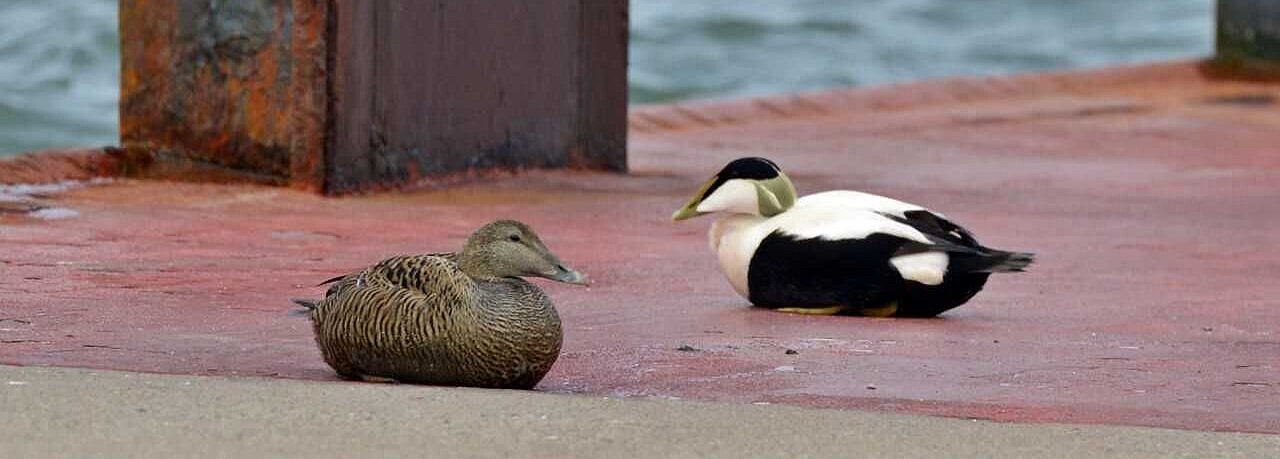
point(247, 86)
point(58, 165)
point(237, 85)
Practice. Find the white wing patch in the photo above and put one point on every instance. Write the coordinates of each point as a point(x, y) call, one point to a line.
point(927, 268)
point(839, 222)
point(847, 199)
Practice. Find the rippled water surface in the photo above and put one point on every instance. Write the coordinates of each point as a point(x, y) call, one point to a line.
point(59, 74)
point(59, 60)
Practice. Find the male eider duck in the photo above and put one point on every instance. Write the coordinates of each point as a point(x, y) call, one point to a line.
point(839, 252)
point(458, 319)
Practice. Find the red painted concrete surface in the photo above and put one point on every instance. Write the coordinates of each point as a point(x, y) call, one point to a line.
point(1150, 195)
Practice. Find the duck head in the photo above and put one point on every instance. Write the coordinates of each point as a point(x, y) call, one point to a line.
point(745, 186)
point(508, 248)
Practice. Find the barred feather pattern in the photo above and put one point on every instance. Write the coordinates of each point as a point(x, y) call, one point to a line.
point(420, 319)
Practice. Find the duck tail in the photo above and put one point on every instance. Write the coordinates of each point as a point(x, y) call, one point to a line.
point(999, 261)
point(308, 305)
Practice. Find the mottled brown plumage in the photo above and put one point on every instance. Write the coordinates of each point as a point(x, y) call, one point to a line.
point(464, 319)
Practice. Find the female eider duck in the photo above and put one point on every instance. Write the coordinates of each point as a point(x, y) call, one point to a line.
point(839, 252)
point(458, 319)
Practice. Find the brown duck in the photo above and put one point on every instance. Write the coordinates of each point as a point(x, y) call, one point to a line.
point(458, 319)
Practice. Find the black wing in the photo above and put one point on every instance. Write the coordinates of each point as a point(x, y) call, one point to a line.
point(942, 233)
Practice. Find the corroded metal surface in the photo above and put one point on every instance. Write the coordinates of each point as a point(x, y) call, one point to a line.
point(426, 89)
point(238, 85)
point(1148, 193)
point(350, 95)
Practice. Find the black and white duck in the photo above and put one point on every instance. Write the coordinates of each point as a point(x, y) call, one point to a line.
point(839, 252)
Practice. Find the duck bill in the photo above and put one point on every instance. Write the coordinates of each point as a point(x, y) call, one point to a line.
point(688, 211)
point(567, 275)
point(690, 208)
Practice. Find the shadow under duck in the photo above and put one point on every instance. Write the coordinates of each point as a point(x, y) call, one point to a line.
point(459, 319)
point(839, 252)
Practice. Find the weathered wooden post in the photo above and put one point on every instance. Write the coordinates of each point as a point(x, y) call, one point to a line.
point(350, 95)
point(1249, 34)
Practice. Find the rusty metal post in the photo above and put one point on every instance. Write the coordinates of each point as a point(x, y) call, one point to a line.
point(1249, 34)
point(351, 95)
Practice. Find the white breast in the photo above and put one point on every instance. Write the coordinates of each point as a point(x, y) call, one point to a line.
point(735, 239)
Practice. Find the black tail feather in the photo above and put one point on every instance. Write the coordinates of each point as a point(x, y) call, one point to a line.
point(1009, 262)
point(992, 261)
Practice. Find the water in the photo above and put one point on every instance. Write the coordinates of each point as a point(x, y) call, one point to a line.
point(683, 48)
point(59, 74)
point(59, 59)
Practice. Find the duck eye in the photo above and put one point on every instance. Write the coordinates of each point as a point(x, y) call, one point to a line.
point(514, 237)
